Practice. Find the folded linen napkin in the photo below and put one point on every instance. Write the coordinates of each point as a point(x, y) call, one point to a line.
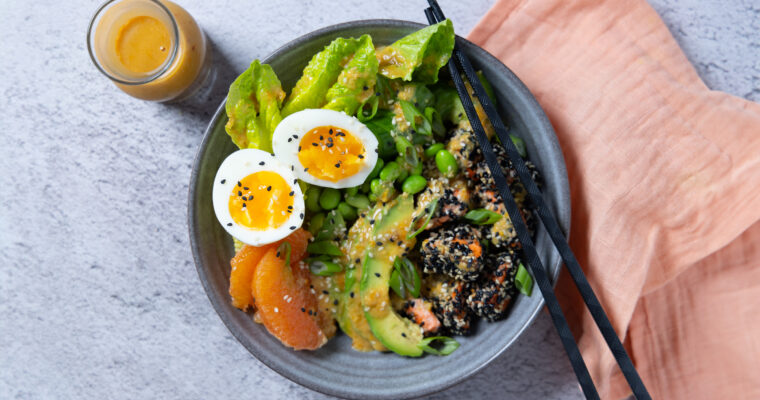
point(665, 187)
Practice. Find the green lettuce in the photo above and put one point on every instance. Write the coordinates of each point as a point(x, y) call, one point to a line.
point(356, 81)
point(320, 75)
point(253, 107)
point(418, 56)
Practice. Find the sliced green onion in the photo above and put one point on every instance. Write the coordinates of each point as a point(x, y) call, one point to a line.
point(445, 345)
point(323, 267)
point(481, 216)
point(406, 150)
point(397, 284)
point(324, 247)
point(334, 226)
point(415, 118)
point(523, 280)
point(429, 212)
point(407, 277)
point(362, 114)
point(284, 248)
point(436, 123)
point(520, 145)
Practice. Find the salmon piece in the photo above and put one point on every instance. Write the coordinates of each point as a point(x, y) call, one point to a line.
point(285, 303)
point(245, 261)
point(421, 312)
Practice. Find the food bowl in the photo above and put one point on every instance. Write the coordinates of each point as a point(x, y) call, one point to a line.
point(336, 368)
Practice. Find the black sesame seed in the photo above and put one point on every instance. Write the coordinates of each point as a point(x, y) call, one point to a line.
point(335, 302)
point(301, 215)
point(325, 292)
point(358, 260)
point(303, 309)
point(329, 139)
point(377, 274)
point(278, 254)
point(306, 169)
point(292, 192)
point(377, 94)
point(292, 228)
point(329, 145)
point(365, 88)
point(223, 181)
point(261, 163)
point(240, 184)
point(331, 131)
point(321, 137)
point(337, 165)
point(229, 224)
point(314, 144)
point(269, 188)
point(299, 148)
point(403, 334)
point(290, 207)
point(371, 222)
point(258, 113)
point(309, 312)
point(240, 193)
point(290, 139)
point(295, 136)
point(351, 294)
point(243, 205)
point(361, 156)
point(375, 150)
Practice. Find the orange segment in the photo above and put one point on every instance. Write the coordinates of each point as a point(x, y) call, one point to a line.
point(285, 303)
point(245, 261)
point(243, 265)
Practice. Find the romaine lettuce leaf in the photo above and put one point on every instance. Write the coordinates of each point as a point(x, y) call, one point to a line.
point(253, 107)
point(418, 56)
point(319, 75)
point(356, 82)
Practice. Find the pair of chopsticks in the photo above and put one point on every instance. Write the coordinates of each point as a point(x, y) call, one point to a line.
point(435, 15)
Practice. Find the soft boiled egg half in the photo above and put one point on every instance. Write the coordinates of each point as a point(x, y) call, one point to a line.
point(327, 148)
point(257, 198)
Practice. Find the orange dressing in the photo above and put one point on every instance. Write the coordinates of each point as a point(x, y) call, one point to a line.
point(331, 153)
point(142, 44)
point(260, 201)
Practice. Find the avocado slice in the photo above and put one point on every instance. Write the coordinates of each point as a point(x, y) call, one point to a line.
point(398, 334)
point(395, 332)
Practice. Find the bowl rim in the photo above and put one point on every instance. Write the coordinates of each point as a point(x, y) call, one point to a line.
point(541, 119)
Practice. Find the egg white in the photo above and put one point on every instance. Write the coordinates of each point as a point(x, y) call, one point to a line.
point(237, 166)
point(287, 137)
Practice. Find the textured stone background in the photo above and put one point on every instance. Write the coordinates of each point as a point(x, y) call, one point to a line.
point(99, 297)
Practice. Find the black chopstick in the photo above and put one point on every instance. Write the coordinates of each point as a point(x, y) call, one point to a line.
point(434, 15)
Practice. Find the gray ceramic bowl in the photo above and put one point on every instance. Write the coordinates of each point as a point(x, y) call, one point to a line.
point(336, 369)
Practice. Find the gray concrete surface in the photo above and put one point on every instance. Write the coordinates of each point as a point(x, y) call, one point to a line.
point(99, 298)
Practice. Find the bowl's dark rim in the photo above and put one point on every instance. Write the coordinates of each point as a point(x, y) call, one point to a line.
point(541, 120)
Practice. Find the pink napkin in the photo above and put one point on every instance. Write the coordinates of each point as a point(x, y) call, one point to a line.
point(665, 183)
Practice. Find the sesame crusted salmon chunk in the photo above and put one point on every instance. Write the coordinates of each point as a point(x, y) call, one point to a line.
point(455, 251)
point(449, 302)
point(421, 312)
point(490, 296)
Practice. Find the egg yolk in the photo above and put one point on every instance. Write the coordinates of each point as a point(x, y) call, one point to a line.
point(331, 153)
point(260, 201)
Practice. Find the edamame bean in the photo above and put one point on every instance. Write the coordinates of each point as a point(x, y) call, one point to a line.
point(414, 184)
point(315, 223)
point(433, 149)
point(416, 170)
point(372, 197)
point(378, 167)
point(348, 212)
point(358, 200)
point(352, 191)
point(390, 172)
point(312, 199)
point(329, 198)
point(376, 186)
point(446, 163)
point(365, 186)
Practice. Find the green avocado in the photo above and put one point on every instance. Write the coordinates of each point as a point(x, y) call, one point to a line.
point(395, 332)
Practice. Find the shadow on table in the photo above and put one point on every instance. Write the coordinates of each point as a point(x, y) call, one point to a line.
point(213, 90)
